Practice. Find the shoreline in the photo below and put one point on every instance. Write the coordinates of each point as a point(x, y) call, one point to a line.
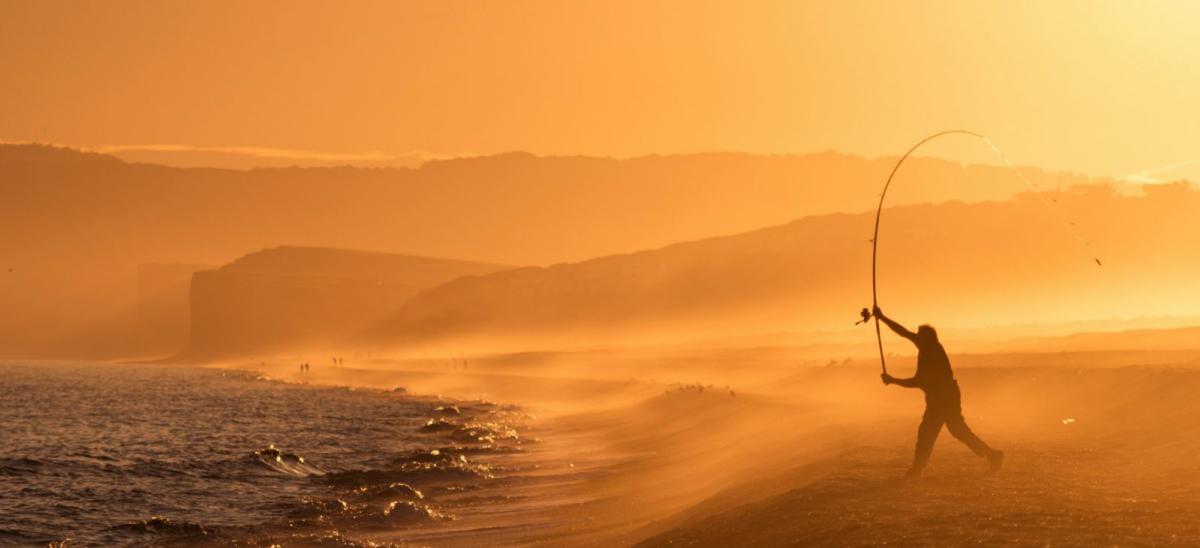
point(610, 465)
point(685, 464)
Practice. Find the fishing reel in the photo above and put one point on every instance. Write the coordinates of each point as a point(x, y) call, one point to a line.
point(866, 316)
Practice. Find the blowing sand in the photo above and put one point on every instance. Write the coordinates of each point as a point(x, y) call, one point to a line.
point(660, 451)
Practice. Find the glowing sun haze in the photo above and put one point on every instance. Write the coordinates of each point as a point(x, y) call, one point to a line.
point(1103, 88)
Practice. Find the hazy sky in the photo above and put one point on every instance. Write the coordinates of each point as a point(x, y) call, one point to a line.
point(1108, 88)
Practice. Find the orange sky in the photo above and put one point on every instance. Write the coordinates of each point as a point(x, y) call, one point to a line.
point(1101, 87)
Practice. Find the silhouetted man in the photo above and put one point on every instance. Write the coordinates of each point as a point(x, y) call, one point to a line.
point(942, 399)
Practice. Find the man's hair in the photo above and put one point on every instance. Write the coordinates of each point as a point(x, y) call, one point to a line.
point(926, 330)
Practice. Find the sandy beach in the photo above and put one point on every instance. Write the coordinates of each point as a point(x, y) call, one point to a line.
point(815, 455)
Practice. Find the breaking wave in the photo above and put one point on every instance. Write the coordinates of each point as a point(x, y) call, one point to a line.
point(285, 463)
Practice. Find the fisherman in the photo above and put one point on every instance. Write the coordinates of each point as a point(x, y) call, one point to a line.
point(943, 405)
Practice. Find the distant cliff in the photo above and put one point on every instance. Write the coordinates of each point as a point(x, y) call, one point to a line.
point(74, 226)
point(295, 298)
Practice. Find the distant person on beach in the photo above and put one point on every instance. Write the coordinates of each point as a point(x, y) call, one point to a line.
point(943, 405)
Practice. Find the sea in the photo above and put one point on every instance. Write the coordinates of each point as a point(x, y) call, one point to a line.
point(137, 455)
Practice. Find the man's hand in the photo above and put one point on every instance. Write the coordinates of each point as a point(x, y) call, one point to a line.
point(887, 379)
point(877, 312)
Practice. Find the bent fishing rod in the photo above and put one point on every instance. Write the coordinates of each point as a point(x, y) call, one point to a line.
point(867, 314)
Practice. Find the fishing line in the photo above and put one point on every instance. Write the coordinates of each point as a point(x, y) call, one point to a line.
point(1069, 226)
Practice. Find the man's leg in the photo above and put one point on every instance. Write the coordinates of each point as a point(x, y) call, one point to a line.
point(927, 434)
point(958, 428)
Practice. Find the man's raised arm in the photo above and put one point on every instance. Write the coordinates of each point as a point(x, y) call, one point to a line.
point(899, 329)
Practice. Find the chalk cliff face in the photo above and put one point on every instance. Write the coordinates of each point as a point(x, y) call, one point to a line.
point(295, 298)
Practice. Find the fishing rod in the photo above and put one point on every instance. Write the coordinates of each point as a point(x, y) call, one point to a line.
point(868, 314)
